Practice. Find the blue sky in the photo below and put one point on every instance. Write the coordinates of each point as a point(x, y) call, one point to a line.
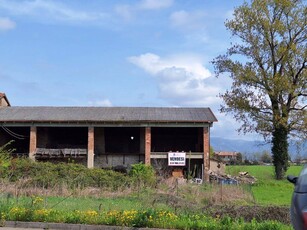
point(115, 53)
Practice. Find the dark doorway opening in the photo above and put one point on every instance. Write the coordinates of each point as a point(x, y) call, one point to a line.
point(122, 140)
point(19, 138)
point(62, 137)
point(176, 139)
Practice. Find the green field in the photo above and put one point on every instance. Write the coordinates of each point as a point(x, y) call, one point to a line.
point(184, 204)
point(82, 203)
point(267, 190)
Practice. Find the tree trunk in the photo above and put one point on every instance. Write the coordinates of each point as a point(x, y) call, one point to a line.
point(280, 151)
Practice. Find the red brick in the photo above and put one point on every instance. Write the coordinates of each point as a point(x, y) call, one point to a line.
point(147, 145)
point(33, 142)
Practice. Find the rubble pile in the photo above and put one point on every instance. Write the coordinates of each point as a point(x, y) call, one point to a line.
point(243, 178)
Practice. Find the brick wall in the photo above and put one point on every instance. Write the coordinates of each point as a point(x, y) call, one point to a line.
point(33, 142)
point(206, 153)
point(147, 145)
point(90, 148)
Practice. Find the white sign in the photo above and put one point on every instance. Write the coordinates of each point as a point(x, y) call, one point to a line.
point(176, 159)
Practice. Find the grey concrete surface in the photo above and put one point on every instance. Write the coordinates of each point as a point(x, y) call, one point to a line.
point(19, 225)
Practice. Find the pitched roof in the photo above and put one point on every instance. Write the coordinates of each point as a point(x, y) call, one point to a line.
point(226, 154)
point(2, 95)
point(106, 114)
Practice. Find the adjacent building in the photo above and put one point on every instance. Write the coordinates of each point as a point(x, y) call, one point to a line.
point(3, 100)
point(226, 157)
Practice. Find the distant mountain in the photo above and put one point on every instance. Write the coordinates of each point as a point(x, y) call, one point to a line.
point(249, 148)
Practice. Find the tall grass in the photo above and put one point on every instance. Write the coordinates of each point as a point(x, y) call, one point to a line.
point(267, 190)
point(68, 187)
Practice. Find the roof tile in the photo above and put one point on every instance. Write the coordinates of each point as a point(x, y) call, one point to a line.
point(105, 114)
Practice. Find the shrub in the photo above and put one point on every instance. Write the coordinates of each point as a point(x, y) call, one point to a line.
point(5, 158)
point(49, 175)
point(143, 175)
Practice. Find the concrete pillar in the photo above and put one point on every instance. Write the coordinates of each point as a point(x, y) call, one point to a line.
point(206, 139)
point(90, 148)
point(33, 142)
point(147, 145)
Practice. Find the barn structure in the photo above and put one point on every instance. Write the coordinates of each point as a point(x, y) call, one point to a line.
point(108, 137)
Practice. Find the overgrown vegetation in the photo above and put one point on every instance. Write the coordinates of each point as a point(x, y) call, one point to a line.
point(48, 175)
point(5, 156)
point(36, 191)
point(135, 218)
point(143, 175)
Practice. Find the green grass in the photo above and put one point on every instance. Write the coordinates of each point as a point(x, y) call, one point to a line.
point(87, 203)
point(117, 193)
point(82, 203)
point(267, 190)
point(148, 218)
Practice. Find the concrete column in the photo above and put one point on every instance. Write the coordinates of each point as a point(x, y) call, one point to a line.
point(206, 139)
point(33, 142)
point(147, 145)
point(90, 148)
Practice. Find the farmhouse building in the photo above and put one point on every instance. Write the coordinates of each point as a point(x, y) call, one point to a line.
point(108, 137)
point(227, 156)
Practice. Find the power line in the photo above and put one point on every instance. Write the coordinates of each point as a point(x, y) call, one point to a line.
point(13, 134)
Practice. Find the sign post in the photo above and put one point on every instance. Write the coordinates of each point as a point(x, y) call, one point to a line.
point(176, 158)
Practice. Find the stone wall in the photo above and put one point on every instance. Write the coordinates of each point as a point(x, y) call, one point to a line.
point(217, 167)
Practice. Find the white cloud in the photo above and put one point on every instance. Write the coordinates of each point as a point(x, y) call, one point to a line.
point(202, 28)
point(6, 24)
point(179, 18)
point(104, 103)
point(194, 25)
point(182, 79)
point(153, 64)
point(184, 20)
point(154, 4)
point(48, 9)
point(127, 11)
point(227, 127)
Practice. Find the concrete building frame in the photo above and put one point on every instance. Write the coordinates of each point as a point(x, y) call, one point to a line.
point(107, 137)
